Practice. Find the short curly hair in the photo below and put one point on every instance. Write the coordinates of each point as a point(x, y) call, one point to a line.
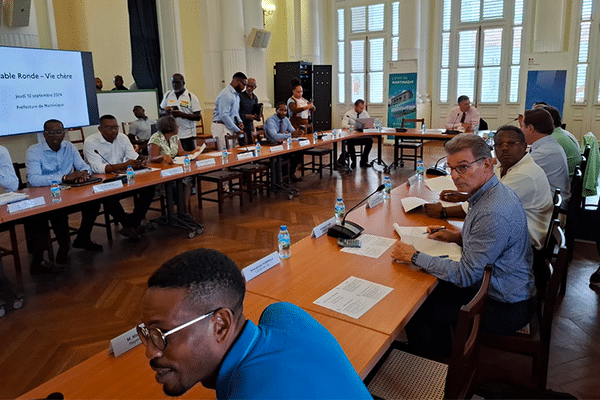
point(166, 124)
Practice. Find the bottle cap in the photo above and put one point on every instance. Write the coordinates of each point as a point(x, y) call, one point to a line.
point(339, 199)
point(283, 227)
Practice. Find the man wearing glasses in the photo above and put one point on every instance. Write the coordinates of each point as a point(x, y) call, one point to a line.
point(54, 160)
point(518, 171)
point(494, 232)
point(194, 330)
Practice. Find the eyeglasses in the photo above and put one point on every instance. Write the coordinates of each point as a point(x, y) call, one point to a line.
point(462, 168)
point(509, 144)
point(159, 338)
point(112, 127)
point(54, 133)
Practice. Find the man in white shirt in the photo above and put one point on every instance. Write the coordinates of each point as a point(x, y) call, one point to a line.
point(109, 151)
point(463, 117)
point(141, 129)
point(518, 171)
point(349, 119)
point(185, 107)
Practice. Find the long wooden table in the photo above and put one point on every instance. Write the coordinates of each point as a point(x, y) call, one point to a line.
point(129, 376)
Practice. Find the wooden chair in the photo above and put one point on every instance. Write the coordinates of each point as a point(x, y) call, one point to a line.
point(573, 212)
point(407, 376)
point(200, 127)
point(76, 136)
point(313, 166)
point(536, 342)
point(256, 178)
point(416, 145)
point(233, 178)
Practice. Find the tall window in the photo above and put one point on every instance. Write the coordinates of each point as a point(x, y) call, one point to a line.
point(481, 48)
point(586, 67)
point(365, 42)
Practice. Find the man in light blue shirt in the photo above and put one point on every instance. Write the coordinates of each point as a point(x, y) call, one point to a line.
point(195, 331)
point(54, 160)
point(226, 116)
point(8, 177)
point(494, 232)
point(569, 145)
point(278, 127)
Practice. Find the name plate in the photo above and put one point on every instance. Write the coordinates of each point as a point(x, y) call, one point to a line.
point(276, 148)
point(124, 342)
point(26, 204)
point(262, 265)
point(103, 187)
point(171, 171)
point(321, 229)
point(375, 200)
point(203, 163)
point(304, 142)
point(244, 156)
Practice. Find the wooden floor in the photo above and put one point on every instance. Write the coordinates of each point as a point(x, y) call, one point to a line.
point(68, 318)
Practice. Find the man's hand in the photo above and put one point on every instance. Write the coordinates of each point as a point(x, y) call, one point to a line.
point(178, 114)
point(251, 117)
point(453, 196)
point(77, 177)
point(433, 210)
point(403, 252)
point(444, 234)
point(135, 163)
point(167, 158)
point(240, 125)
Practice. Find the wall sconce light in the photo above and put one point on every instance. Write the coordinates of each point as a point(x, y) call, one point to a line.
point(268, 10)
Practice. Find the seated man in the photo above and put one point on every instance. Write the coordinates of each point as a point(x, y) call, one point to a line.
point(54, 160)
point(110, 151)
point(494, 232)
point(349, 119)
point(195, 331)
point(518, 171)
point(141, 129)
point(279, 127)
point(8, 178)
point(463, 116)
point(537, 126)
point(569, 145)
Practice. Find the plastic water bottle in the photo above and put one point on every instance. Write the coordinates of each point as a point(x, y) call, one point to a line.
point(423, 129)
point(187, 164)
point(387, 190)
point(315, 137)
point(130, 175)
point(340, 210)
point(420, 169)
point(55, 191)
point(258, 149)
point(283, 242)
point(378, 125)
point(476, 129)
point(224, 156)
point(289, 142)
point(351, 127)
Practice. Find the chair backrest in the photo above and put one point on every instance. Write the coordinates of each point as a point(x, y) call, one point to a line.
point(76, 135)
point(211, 143)
point(465, 344)
point(555, 272)
point(18, 167)
point(125, 126)
point(557, 200)
point(483, 126)
point(200, 127)
point(415, 120)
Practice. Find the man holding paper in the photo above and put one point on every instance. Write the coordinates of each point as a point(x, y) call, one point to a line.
point(494, 232)
point(109, 151)
point(195, 331)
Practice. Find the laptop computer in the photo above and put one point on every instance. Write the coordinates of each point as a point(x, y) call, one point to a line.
point(364, 123)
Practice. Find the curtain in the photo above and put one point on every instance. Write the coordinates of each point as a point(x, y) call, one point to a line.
point(145, 45)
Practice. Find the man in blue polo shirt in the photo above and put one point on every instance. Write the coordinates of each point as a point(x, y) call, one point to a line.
point(195, 331)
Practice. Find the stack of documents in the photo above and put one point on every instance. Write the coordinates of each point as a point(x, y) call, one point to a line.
point(417, 236)
point(11, 197)
point(179, 159)
point(440, 183)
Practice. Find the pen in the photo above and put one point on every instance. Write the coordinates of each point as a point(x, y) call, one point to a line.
point(444, 256)
point(435, 230)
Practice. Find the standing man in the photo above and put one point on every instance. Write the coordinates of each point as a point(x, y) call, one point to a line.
point(537, 126)
point(494, 232)
point(278, 127)
point(109, 151)
point(141, 129)
point(463, 115)
point(119, 83)
point(54, 160)
point(349, 119)
point(248, 102)
point(226, 117)
point(569, 145)
point(185, 107)
point(195, 332)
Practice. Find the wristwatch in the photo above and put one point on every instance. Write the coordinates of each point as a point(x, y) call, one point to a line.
point(413, 259)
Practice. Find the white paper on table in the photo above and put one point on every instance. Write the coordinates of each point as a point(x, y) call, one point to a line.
point(193, 156)
point(215, 153)
point(449, 203)
point(416, 237)
point(371, 246)
point(440, 183)
point(353, 297)
point(410, 203)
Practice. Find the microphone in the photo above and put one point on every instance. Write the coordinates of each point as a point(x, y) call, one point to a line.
point(350, 230)
point(117, 176)
point(453, 131)
point(438, 171)
point(510, 122)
